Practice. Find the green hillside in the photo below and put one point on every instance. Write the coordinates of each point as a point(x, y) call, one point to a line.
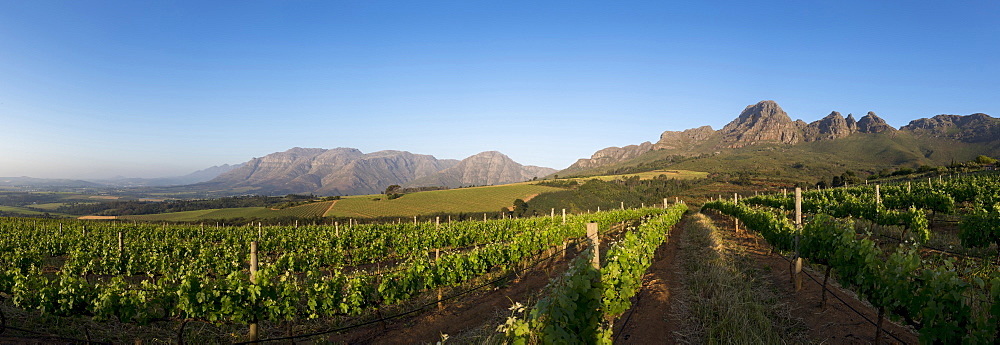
point(309, 210)
point(463, 200)
point(670, 174)
point(804, 161)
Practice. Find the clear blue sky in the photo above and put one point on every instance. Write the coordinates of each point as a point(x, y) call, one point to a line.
point(163, 88)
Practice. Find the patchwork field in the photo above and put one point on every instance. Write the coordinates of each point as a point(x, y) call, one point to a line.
point(464, 200)
point(309, 210)
point(677, 174)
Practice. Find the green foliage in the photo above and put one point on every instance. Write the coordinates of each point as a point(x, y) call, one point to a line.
point(134, 207)
point(984, 160)
point(453, 201)
point(520, 208)
point(595, 193)
point(981, 227)
point(860, 202)
point(570, 314)
point(777, 230)
point(628, 259)
point(933, 298)
point(195, 272)
point(581, 303)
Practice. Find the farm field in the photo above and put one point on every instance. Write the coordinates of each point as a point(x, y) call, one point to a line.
point(462, 200)
point(309, 210)
point(26, 211)
point(669, 173)
point(926, 248)
point(898, 247)
point(128, 274)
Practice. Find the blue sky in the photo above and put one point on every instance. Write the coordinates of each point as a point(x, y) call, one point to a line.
point(146, 89)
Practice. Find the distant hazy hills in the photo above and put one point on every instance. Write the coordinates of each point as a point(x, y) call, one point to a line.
point(192, 178)
point(763, 139)
point(347, 171)
point(486, 168)
point(765, 129)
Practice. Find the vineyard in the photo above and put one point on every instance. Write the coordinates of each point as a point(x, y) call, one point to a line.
point(461, 200)
point(316, 209)
point(879, 240)
point(920, 253)
point(230, 277)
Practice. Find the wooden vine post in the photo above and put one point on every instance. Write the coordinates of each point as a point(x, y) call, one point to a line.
point(553, 214)
point(798, 230)
point(878, 326)
point(437, 222)
point(664, 203)
point(564, 216)
point(623, 205)
point(254, 336)
point(596, 243)
point(121, 243)
point(878, 196)
point(437, 257)
point(736, 200)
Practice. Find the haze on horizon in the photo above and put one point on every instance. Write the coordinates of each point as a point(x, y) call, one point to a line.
point(101, 89)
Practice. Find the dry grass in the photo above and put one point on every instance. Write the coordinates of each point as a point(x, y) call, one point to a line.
point(726, 301)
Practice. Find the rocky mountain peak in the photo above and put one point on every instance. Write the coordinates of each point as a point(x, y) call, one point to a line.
point(489, 155)
point(610, 155)
point(871, 123)
point(852, 123)
point(683, 139)
point(764, 122)
point(832, 126)
point(484, 168)
point(977, 127)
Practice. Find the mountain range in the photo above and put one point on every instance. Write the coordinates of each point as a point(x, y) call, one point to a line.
point(348, 171)
point(119, 181)
point(936, 140)
point(763, 139)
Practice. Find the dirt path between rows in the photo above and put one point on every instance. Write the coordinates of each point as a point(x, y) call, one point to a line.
point(837, 323)
point(330, 208)
point(651, 319)
point(469, 319)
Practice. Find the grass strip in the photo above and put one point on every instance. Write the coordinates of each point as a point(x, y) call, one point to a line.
point(725, 302)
